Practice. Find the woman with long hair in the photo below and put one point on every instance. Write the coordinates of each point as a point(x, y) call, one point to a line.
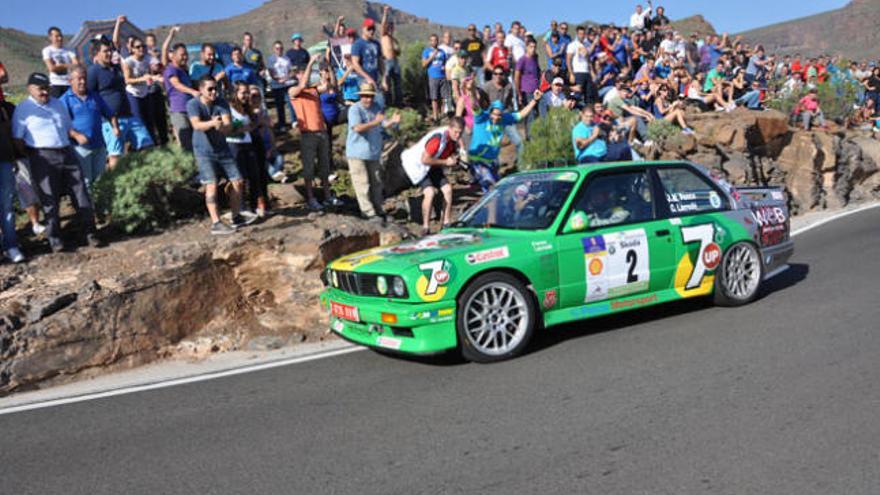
point(243, 147)
point(664, 109)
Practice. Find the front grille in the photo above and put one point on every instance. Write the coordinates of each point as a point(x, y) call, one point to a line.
point(360, 284)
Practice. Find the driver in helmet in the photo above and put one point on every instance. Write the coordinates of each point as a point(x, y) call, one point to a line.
point(603, 206)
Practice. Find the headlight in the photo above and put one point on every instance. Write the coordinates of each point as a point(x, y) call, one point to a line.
point(334, 278)
point(382, 285)
point(398, 287)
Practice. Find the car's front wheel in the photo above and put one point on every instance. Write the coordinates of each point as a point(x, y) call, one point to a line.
point(739, 276)
point(496, 318)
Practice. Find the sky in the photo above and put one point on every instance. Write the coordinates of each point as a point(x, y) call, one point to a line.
point(725, 15)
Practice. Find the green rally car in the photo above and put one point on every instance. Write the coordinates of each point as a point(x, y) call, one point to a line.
point(559, 245)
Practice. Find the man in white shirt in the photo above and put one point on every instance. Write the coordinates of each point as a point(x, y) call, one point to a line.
point(279, 67)
point(578, 61)
point(515, 43)
point(42, 129)
point(58, 60)
point(637, 20)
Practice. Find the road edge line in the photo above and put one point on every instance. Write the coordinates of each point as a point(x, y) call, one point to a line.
point(836, 216)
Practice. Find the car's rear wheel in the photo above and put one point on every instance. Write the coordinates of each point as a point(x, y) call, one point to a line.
point(739, 277)
point(496, 318)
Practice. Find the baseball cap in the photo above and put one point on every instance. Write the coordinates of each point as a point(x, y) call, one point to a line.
point(350, 32)
point(368, 22)
point(558, 80)
point(38, 79)
point(296, 36)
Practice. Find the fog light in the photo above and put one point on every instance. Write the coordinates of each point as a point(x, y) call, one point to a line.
point(382, 285)
point(335, 278)
point(398, 287)
point(389, 318)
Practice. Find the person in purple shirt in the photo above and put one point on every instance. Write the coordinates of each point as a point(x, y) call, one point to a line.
point(179, 89)
point(526, 78)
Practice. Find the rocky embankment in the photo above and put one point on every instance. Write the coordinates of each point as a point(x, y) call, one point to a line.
point(821, 169)
point(181, 293)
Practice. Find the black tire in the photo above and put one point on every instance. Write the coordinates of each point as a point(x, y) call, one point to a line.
point(730, 297)
point(496, 326)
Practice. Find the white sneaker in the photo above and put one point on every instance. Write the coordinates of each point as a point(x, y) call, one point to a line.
point(14, 255)
point(279, 176)
point(38, 228)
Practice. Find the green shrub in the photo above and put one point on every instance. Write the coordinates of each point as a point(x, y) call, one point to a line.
point(142, 192)
point(413, 75)
point(412, 126)
point(836, 100)
point(550, 140)
point(661, 131)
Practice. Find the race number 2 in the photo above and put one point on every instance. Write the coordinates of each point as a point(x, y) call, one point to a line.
point(709, 255)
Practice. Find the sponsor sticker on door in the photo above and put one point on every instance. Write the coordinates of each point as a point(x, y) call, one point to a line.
point(488, 255)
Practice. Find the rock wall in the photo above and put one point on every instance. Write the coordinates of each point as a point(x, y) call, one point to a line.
point(179, 298)
point(826, 168)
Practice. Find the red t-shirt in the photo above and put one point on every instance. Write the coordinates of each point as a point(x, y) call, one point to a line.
point(499, 57)
point(433, 146)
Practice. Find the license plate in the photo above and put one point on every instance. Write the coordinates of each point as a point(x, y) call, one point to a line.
point(344, 311)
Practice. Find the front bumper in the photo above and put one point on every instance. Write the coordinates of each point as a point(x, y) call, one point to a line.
point(421, 328)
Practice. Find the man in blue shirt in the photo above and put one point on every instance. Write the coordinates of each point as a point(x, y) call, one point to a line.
point(238, 70)
point(489, 126)
point(106, 79)
point(363, 149)
point(434, 59)
point(86, 112)
point(366, 59)
point(41, 129)
point(586, 137)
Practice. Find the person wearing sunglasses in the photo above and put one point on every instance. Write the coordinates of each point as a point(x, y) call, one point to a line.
point(211, 122)
point(138, 79)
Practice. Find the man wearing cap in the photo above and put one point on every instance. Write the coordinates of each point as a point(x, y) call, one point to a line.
point(555, 98)
point(299, 57)
point(390, 55)
point(280, 70)
point(366, 59)
point(363, 149)
point(489, 129)
point(42, 129)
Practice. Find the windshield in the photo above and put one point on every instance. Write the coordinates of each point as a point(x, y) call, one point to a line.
point(522, 202)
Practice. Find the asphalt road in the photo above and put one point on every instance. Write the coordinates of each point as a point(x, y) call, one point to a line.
point(779, 397)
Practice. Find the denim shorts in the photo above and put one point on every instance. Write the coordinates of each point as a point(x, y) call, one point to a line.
point(131, 129)
point(210, 165)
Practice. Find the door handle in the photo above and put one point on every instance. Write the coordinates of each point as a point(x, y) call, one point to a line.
point(662, 233)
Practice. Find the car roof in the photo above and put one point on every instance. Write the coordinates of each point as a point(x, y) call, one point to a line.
point(595, 167)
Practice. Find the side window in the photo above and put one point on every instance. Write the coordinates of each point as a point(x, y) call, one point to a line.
point(688, 192)
point(616, 198)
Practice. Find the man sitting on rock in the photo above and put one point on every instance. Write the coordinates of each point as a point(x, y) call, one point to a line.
point(809, 109)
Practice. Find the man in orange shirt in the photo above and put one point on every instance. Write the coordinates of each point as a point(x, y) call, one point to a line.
point(314, 143)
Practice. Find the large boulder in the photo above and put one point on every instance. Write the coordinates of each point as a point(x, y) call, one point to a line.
point(800, 162)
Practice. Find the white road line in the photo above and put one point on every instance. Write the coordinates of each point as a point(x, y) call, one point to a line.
point(832, 218)
point(280, 362)
point(179, 381)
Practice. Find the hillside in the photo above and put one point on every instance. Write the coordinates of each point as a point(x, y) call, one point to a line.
point(850, 31)
point(278, 19)
point(20, 54)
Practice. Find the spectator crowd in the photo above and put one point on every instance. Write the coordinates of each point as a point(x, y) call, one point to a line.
point(489, 87)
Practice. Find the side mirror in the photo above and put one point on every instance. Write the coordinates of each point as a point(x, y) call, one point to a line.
point(577, 222)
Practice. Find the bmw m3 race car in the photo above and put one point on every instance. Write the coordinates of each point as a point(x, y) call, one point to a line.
point(560, 245)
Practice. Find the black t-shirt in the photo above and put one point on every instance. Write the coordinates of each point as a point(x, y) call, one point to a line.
point(874, 82)
point(298, 57)
point(475, 48)
point(109, 82)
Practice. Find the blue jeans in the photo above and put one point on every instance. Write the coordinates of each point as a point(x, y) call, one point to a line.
point(7, 214)
point(752, 100)
point(92, 162)
point(274, 163)
point(395, 84)
point(515, 139)
point(485, 173)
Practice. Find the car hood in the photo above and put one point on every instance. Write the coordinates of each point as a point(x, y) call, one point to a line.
point(395, 258)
